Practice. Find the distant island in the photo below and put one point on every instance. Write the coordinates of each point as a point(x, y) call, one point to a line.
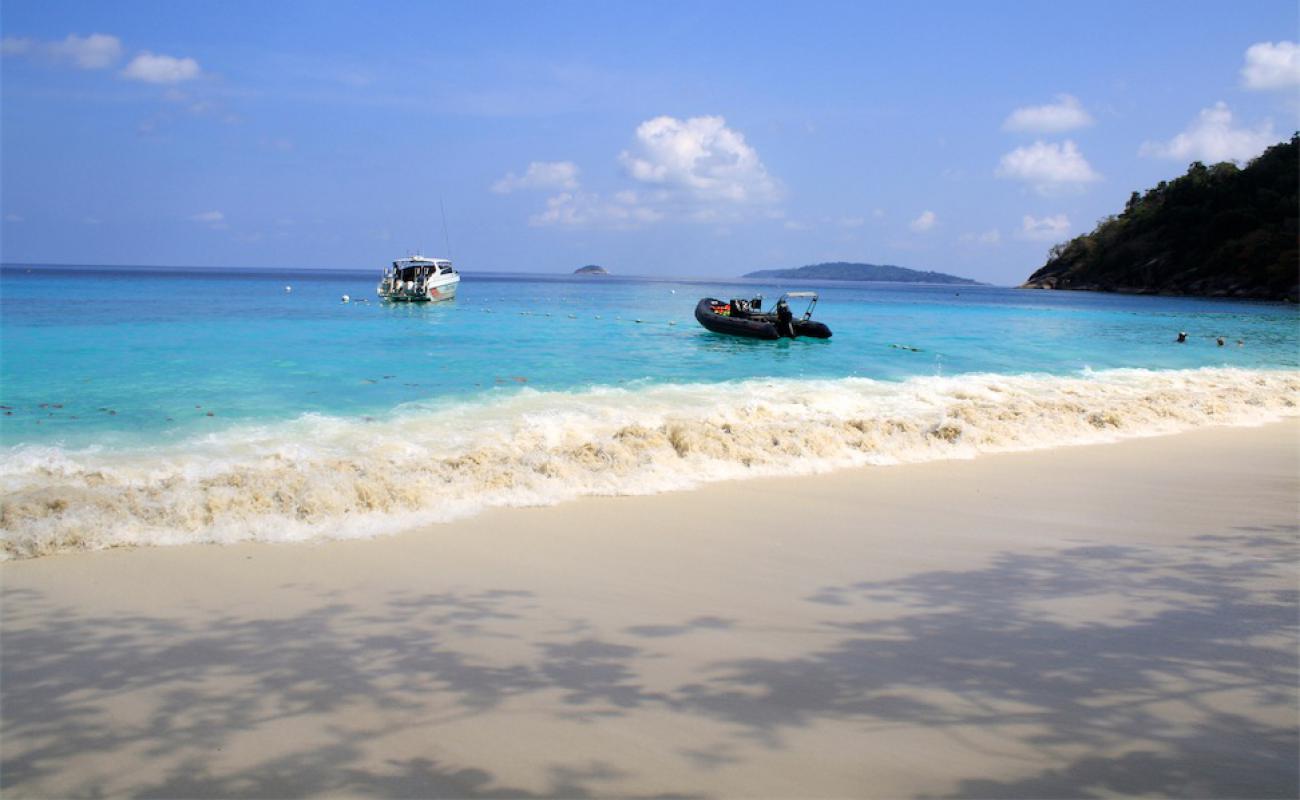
point(1218, 231)
point(591, 269)
point(845, 271)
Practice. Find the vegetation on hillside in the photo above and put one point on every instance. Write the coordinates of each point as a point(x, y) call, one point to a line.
point(1218, 231)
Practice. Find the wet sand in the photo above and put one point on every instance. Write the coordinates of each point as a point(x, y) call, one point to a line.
point(1105, 620)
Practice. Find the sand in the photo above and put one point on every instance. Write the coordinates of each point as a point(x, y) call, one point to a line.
point(1105, 620)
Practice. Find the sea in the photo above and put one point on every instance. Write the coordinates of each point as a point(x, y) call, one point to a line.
point(152, 406)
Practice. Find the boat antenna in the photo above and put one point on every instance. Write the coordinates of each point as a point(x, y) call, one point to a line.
point(446, 240)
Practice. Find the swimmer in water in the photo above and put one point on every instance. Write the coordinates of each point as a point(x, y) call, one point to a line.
point(1220, 341)
point(1182, 337)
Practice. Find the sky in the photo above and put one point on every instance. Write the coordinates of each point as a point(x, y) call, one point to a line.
point(700, 139)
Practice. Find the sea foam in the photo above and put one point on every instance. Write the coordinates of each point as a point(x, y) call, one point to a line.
point(328, 477)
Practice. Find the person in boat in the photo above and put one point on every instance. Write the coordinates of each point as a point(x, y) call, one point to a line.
point(784, 319)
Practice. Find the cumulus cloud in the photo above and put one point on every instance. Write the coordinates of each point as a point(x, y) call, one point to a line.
point(696, 169)
point(1271, 65)
point(161, 69)
point(924, 222)
point(540, 175)
point(1048, 167)
point(1212, 137)
point(1045, 229)
point(700, 158)
point(1066, 114)
point(96, 51)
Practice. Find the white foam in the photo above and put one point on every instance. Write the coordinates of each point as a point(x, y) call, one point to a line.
point(329, 477)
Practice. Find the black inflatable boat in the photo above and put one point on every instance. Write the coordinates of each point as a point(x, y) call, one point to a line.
point(747, 318)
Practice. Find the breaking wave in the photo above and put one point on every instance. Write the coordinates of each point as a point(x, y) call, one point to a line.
point(328, 477)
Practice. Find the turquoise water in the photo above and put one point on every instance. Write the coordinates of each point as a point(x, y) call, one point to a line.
point(130, 355)
point(172, 406)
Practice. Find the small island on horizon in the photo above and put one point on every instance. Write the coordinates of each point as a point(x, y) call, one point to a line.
point(849, 271)
point(591, 269)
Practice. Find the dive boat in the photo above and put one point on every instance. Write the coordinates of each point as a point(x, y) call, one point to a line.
point(419, 279)
point(746, 318)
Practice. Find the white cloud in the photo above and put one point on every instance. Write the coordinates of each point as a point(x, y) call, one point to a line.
point(700, 159)
point(581, 209)
point(1048, 167)
point(1045, 229)
point(152, 68)
point(17, 46)
point(540, 175)
point(795, 225)
point(96, 51)
point(990, 237)
point(1211, 137)
point(924, 222)
point(13, 217)
point(1271, 65)
point(1066, 114)
point(696, 169)
point(213, 219)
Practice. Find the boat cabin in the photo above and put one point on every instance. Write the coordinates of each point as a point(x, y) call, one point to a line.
point(417, 268)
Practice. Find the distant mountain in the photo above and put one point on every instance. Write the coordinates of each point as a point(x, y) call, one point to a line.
point(845, 271)
point(591, 269)
point(1218, 231)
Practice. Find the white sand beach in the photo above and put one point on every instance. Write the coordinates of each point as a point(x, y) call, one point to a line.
point(1092, 621)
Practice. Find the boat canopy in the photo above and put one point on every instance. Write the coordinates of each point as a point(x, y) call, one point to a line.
point(811, 297)
point(421, 261)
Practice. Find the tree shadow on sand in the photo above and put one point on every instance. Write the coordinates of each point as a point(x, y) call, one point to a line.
point(62, 670)
point(1191, 632)
point(1160, 693)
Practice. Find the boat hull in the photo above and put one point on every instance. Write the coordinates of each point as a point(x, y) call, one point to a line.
point(432, 294)
point(758, 326)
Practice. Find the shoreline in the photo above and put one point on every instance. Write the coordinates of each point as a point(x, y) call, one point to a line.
point(320, 477)
point(1116, 618)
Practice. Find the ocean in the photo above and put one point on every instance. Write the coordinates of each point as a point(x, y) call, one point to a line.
point(163, 406)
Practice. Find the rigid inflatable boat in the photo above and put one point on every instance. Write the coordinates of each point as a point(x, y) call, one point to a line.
point(747, 318)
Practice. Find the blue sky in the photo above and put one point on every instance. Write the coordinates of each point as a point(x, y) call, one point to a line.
point(691, 139)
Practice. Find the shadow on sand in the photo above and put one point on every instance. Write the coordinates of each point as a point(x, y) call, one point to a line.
point(1160, 695)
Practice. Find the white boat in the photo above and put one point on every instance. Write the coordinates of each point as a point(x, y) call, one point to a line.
point(419, 279)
